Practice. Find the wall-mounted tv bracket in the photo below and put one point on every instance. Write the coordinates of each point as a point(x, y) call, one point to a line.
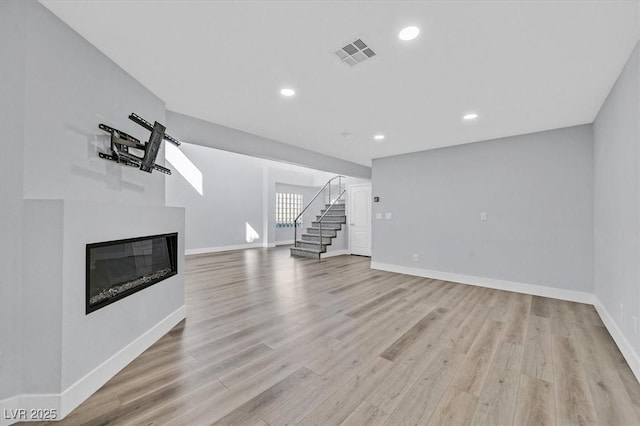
point(121, 142)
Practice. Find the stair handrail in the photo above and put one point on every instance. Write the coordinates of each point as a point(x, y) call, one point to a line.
point(295, 221)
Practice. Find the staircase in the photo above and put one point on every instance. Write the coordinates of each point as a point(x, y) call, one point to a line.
point(309, 244)
point(327, 224)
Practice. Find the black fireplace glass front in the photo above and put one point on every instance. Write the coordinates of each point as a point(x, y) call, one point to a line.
point(116, 269)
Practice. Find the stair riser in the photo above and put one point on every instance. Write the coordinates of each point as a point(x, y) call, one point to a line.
point(300, 253)
point(327, 225)
point(316, 239)
point(331, 215)
point(325, 232)
point(311, 245)
point(334, 219)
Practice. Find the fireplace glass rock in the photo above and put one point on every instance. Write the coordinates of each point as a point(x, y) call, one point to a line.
point(116, 269)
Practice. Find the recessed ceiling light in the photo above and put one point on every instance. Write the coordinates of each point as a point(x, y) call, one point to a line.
point(287, 92)
point(409, 33)
point(378, 137)
point(470, 116)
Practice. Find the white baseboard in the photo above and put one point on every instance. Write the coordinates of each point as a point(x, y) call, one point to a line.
point(206, 250)
point(73, 396)
point(283, 243)
point(334, 253)
point(626, 348)
point(536, 290)
point(83, 388)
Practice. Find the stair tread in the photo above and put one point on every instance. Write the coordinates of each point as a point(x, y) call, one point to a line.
point(311, 238)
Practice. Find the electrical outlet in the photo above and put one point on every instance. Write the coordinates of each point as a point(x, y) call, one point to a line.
point(387, 216)
point(378, 216)
point(416, 257)
point(483, 216)
point(621, 311)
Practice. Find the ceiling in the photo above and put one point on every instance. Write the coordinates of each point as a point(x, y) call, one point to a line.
point(522, 66)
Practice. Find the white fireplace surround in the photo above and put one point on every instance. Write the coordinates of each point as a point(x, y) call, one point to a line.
point(67, 355)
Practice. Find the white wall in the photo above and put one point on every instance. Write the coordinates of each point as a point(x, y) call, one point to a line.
point(125, 321)
point(536, 190)
point(41, 313)
point(12, 87)
point(61, 344)
point(232, 197)
point(71, 87)
point(617, 204)
point(57, 195)
point(237, 189)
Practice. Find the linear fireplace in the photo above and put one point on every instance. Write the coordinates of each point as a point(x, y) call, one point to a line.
point(117, 269)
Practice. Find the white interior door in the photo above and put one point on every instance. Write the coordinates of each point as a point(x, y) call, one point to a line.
point(360, 219)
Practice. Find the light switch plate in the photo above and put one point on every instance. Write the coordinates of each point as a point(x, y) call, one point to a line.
point(387, 216)
point(483, 216)
point(378, 216)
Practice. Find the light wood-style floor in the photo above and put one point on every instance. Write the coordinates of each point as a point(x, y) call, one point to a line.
point(274, 340)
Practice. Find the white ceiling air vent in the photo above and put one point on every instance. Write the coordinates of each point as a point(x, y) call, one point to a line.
point(354, 53)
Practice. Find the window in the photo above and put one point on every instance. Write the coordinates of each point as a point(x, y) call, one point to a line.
point(288, 207)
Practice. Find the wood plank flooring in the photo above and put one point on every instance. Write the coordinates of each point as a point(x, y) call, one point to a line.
point(275, 340)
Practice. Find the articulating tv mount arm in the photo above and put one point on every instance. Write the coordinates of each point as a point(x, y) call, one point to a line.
point(121, 142)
